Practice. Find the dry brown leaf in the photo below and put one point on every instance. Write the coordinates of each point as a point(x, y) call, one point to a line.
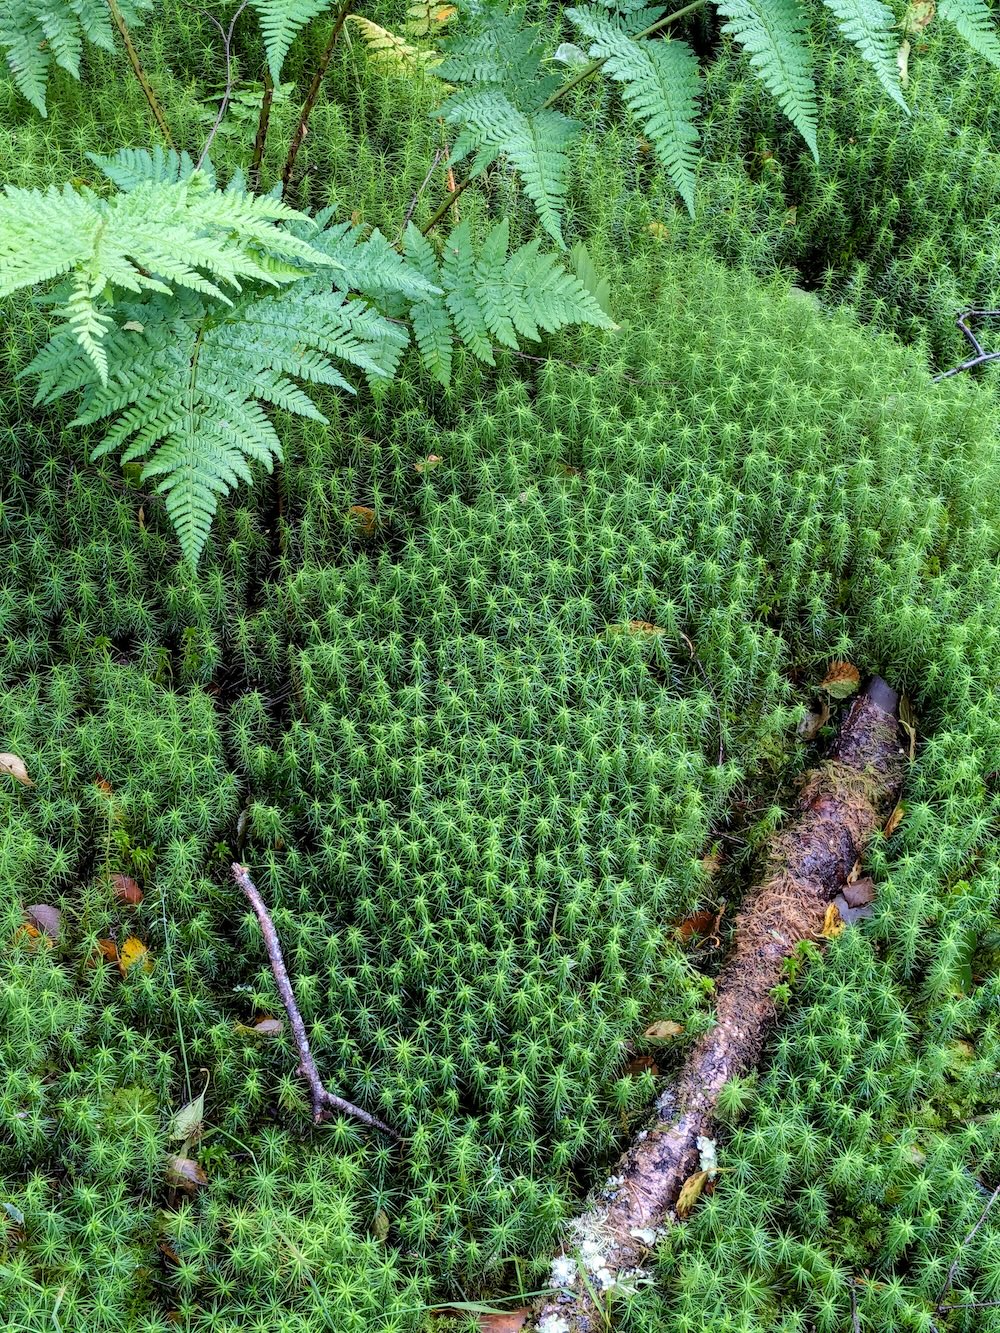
point(168, 1253)
point(841, 681)
point(919, 13)
point(134, 953)
point(641, 627)
point(712, 863)
point(108, 950)
point(641, 1064)
point(691, 1192)
point(903, 61)
point(32, 934)
point(665, 1030)
point(894, 820)
point(103, 786)
point(185, 1174)
point(811, 725)
point(852, 915)
point(364, 519)
point(859, 892)
point(126, 890)
point(509, 1322)
point(269, 1027)
point(833, 923)
point(429, 463)
point(14, 767)
point(45, 918)
point(703, 924)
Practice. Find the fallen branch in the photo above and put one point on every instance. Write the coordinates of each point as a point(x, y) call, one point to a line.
point(981, 358)
point(842, 803)
point(324, 1103)
point(961, 1251)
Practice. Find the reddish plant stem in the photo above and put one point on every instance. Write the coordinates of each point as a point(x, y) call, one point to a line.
point(259, 144)
point(140, 73)
point(324, 1103)
point(312, 94)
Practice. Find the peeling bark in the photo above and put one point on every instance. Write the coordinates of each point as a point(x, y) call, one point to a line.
point(842, 804)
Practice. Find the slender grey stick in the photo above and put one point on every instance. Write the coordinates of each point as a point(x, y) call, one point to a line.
point(958, 1257)
point(324, 1102)
point(981, 358)
point(227, 42)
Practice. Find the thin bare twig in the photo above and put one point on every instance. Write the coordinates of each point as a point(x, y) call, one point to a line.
point(253, 176)
point(981, 358)
point(312, 94)
point(961, 1249)
point(416, 198)
point(324, 1102)
point(969, 1305)
point(140, 73)
point(227, 42)
point(855, 1317)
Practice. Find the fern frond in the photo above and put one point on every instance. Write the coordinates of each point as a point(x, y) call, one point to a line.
point(370, 264)
point(536, 143)
point(191, 382)
point(162, 235)
point(389, 52)
point(427, 17)
point(36, 34)
point(974, 21)
point(773, 33)
point(503, 53)
point(131, 167)
point(491, 297)
point(869, 25)
point(280, 23)
point(659, 85)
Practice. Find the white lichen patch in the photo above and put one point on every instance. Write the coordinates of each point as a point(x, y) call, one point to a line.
point(709, 1160)
point(563, 1272)
point(553, 1323)
point(646, 1234)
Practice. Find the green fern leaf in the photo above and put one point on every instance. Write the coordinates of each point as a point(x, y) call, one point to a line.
point(535, 142)
point(773, 32)
point(660, 87)
point(280, 23)
point(869, 25)
point(37, 34)
point(974, 21)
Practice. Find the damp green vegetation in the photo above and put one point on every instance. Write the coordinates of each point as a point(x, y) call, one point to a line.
point(492, 684)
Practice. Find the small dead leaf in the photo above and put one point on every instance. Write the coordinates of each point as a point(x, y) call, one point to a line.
point(644, 628)
point(833, 923)
point(187, 1122)
point(509, 1322)
point(791, 215)
point(642, 1064)
point(103, 786)
point(134, 953)
point(14, 1213)
point(133, 326)
point(169, 1253)
point(32, 935)
point(691, 1192)
point(860, 892)
point(919, 13)
point(269, 1027)
point(108, 950)
point(142, 519)
point(852, 915)
point(185, 1174)
point(45, 918)
point(903, 61)
point(364, 519)
point(429, 463)
point(894, 820)
point(126, 890)
point(14, 767)
point(841, 681)
point(908, 721)
point(659, 230)
point(712, 863)
point(664, 1030)
point(810, 726)
point(703, 924)
point(380, 1225)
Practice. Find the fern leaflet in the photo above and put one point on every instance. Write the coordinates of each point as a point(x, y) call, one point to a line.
point(974, 21)
point(660, 88)
point(773, 32)
point(280, 23)
point(869, 25)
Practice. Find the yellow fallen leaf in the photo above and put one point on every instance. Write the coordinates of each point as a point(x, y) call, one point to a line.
point(833, 923)
point(894, 820)
point(691, 1192)
point(14, 767)
point(134, 953)
point(841, 680)
point(665, 1030)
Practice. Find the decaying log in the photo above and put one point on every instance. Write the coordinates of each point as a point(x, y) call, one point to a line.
point(843, 802)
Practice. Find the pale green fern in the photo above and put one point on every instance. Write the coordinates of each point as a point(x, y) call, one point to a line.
point(280, 23)
point(975, 23)
point(37, 34)
point(773, 33)
point(185, 312)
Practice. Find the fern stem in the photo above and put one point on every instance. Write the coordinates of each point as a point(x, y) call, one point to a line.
point(261, 140)
point(595, 65)
point(140, 73)
point(560, 93)
point(312, 94)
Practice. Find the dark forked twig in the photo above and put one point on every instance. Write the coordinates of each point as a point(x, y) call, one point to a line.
point(227, 42)
point(324, 1102)
point(855, 1317)
point(961, 1250)
point(259, 143)
point(981, 357)
point(307, 106)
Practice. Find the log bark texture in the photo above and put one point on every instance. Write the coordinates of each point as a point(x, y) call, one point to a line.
point(843, 803)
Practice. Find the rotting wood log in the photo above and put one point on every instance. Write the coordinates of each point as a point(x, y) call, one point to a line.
point(843, 803)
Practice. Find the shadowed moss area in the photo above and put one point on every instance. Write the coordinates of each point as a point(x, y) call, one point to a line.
point(478, 801)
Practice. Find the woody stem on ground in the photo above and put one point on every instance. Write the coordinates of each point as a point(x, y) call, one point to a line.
point(324, 1102)
point(260, 142)
point(561, 92)
point(140, 73)
point(312, 94)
